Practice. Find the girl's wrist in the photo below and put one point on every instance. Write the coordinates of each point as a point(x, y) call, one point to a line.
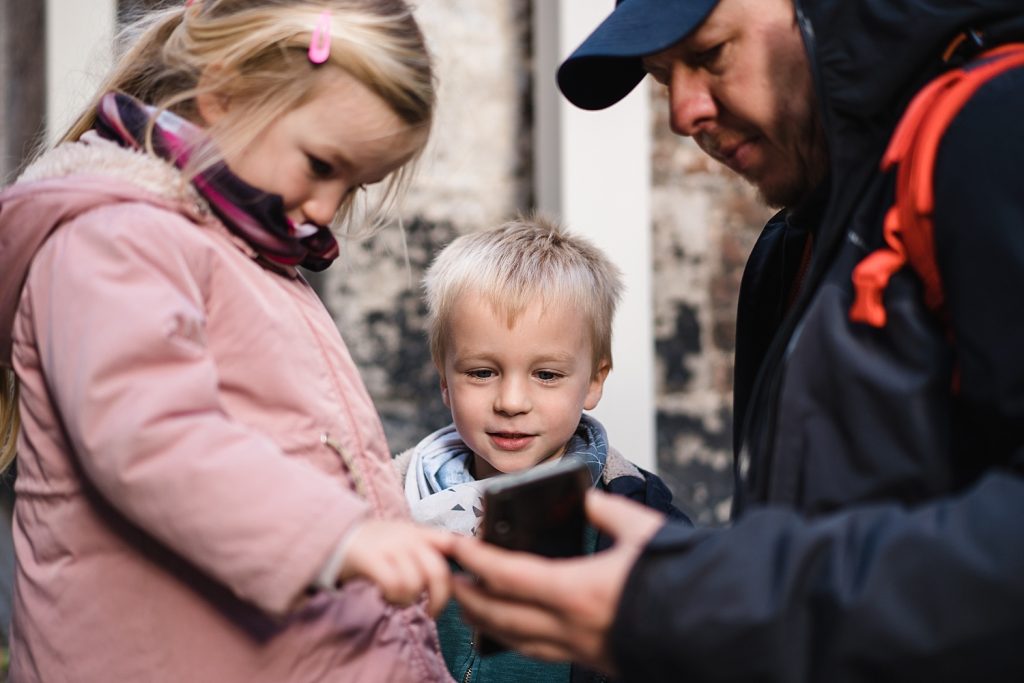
point(329, 577)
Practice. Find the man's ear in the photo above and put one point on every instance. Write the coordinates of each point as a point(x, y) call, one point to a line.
point(596, 388)
point(213, 101)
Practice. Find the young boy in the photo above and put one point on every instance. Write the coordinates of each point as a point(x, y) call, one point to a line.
point(519, 324)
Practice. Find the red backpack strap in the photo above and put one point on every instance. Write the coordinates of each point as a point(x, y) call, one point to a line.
point(908, 230)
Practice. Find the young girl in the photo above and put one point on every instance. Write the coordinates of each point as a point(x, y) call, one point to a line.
point(204, 490)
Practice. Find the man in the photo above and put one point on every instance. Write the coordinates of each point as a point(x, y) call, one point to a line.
point(878, 531)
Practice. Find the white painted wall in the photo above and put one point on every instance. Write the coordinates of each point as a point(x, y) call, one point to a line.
point(79, 51)
point(594, 170)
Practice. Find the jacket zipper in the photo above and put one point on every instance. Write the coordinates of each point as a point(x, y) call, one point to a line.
point(468, 676)
point(349, 462)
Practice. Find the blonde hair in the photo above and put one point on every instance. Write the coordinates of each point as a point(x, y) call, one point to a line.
point(255, 53)
point(529, 259)
point(10, 420)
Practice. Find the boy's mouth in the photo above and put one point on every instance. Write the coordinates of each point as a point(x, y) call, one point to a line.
point(510, 441)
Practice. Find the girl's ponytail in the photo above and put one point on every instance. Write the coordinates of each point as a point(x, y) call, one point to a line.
point(10, 420)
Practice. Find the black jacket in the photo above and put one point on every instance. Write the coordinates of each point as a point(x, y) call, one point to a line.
point(879, 530)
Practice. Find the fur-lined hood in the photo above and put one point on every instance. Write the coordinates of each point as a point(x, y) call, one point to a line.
point(67, 182)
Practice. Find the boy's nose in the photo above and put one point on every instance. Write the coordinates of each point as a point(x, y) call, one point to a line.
point(512, 398)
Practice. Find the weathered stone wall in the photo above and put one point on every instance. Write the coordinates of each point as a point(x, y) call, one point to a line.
point(705, 222)
point(475, 174)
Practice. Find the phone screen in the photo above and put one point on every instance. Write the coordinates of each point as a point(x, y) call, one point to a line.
point(539, 511)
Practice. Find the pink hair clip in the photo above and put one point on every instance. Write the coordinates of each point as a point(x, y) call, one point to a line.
point(320, 43)
point(189, 3)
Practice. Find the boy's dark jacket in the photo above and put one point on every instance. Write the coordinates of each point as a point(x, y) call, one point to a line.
point(879, 529)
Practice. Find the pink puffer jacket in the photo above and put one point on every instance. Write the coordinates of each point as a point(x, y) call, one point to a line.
point(193, 430)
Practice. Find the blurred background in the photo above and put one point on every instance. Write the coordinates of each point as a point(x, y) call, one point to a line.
point(676, 223)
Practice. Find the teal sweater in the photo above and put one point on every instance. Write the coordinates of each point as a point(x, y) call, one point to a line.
point(466, 665)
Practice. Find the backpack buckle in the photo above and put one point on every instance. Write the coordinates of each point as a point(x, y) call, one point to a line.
point(964, 47)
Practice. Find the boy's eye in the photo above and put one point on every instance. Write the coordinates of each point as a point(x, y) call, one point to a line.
point(481, 374)
point(319, 167)
point(547, 375)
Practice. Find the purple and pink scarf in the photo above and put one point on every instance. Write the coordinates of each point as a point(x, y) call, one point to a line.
point(256, 216)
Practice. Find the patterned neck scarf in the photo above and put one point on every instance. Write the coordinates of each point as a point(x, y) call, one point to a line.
point(441, 492)
point(256, 216)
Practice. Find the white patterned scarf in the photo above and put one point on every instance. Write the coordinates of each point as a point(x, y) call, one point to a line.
point(442, 492)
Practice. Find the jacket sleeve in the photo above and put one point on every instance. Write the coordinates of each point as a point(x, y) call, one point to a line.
point(881, 592)
point(870, 594)
point(119, 309)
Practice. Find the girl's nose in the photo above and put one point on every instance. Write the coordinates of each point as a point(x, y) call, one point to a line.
point(322, 205)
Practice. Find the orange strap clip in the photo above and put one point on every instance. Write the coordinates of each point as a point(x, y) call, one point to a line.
point(908, 229)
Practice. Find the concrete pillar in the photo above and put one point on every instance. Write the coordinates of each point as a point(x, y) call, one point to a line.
point(23, 74)
point(79, 51)
point(593, 169)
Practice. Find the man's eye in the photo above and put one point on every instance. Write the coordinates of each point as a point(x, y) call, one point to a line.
point(319, 167)
point(658, 75)
point(709, 56)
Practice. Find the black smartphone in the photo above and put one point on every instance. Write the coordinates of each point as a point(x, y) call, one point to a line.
point(540, 511)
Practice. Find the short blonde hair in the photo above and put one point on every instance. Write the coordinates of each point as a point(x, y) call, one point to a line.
point(255, 53)
point(529, 259)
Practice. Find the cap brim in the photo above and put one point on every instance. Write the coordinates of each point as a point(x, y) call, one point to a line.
point(607, 66)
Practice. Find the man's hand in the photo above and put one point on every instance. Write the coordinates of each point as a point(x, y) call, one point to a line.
point(556, 609)
point(405, 560)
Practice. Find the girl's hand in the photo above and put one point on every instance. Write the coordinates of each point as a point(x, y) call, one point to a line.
point(403, 559)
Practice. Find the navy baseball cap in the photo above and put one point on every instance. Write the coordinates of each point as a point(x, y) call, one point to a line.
point(607, 65)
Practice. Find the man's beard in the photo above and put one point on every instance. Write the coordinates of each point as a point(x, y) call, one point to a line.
point(809, 158)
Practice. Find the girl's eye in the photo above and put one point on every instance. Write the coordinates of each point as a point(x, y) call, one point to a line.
point(319, 167)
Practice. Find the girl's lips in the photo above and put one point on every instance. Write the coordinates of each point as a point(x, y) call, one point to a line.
point(510, 441)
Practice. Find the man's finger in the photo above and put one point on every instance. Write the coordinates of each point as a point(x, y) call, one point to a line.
point(621, 518)
point(519, 576)
point(518, 625)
